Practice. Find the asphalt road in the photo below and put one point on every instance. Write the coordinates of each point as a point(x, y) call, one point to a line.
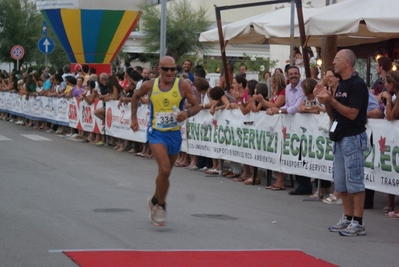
point(59, 194)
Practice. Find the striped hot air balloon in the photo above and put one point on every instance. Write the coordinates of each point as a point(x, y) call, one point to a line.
point(91, 31)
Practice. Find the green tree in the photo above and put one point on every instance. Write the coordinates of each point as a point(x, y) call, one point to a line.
point(255, 63)
point(183, 27)
point(21, 24)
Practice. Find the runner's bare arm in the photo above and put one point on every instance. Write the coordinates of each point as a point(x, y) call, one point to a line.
point(144, 89)
point(195, 105)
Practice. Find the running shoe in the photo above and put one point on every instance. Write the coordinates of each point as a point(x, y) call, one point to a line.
point(157, 213)
point(341, 225)
point(353, 229)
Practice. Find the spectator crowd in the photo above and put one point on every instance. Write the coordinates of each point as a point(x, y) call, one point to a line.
point(281, 92)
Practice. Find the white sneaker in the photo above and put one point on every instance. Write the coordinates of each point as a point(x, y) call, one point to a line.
point(341, 225)
point(18, 122)
point(12, 120)
point(50, 130)
point(157, 213)
point(68, 135)
point(74, 135)
point(353, 229)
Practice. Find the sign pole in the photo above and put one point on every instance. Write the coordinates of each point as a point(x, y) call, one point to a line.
point(17, 64)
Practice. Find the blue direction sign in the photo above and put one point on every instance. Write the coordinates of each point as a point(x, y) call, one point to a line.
point(44, 28)
point(46, 45)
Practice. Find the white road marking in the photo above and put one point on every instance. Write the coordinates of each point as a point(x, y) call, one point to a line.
point(35, 137)
point(3, 138)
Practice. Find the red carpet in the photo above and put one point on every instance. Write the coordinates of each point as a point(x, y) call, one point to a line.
point(194, 258)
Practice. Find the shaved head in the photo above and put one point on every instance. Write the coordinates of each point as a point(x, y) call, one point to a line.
point(350, 55)
point(167, 61)
point(167, 69)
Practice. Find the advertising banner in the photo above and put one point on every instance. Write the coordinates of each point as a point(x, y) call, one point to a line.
point(253, 139)
point(291, 144)
point(118, 122)
point(305, 149)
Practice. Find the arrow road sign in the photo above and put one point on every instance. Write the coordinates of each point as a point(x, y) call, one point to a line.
point(44, 28)
point(46, 45)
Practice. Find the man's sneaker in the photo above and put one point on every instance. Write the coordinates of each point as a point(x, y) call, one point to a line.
point(50, 131)
point(157, 213)
point(353, 229)
point(342, 224)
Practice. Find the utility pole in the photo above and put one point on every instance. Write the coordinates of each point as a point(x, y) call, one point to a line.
point(162, 48)
point(292, 32)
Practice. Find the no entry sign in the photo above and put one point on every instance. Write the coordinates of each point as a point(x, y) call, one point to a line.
point(17, 52)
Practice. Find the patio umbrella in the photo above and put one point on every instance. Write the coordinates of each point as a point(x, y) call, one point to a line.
point(239, 32)
point(365, 20)
point(344, 19)
point(273, 27)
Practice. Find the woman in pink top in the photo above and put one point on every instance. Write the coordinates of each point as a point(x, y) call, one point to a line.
point(278, 94)
point(239, 92)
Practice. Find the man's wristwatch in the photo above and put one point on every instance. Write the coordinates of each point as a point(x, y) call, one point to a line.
point(280, 111)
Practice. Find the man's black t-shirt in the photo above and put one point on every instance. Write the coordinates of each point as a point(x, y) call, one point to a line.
point(353, 93)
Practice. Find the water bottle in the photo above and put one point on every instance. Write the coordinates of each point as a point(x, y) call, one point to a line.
point(176, 111)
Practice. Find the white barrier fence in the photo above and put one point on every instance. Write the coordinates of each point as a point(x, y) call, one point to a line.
point(288, 143)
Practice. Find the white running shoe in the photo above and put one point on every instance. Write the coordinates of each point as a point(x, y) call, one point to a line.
point(341, 225)
point(353, 229)
point(157, 213)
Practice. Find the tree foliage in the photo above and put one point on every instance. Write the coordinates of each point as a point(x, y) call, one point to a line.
point(183, 27)
point(21, 24)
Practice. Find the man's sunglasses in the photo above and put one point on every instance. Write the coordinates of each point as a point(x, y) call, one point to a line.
point(166, 69)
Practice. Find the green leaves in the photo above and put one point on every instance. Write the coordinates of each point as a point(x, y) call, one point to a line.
point(183, 27)
point(20, 24)
point(255, 63)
